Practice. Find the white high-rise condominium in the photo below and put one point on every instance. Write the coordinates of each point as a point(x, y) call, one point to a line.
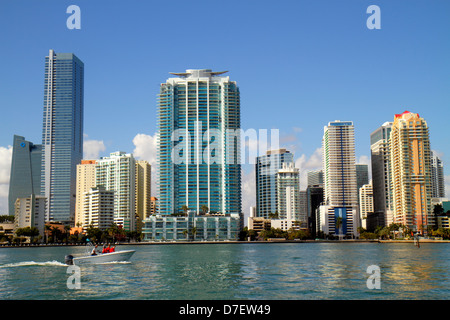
point(117, 173)
point(98, 208)
point(340, 213)
point(288, 193)
point(365, 203)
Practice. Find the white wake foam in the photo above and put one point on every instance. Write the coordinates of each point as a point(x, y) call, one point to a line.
point(34, 263)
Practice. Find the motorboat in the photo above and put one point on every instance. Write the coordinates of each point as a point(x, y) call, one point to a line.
point(117, 256)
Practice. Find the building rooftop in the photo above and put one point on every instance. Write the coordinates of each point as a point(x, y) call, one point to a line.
point(198, 73)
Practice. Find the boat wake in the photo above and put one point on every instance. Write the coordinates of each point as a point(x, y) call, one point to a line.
point(34, 263)
point(115, 262)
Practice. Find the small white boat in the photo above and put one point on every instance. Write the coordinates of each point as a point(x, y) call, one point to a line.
point(117, 256)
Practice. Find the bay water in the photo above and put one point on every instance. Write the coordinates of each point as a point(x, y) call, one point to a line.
point(247, 271)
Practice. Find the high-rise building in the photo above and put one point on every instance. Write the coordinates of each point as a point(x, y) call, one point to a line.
point(315, 178)
point(86, 179)
point(365, 203)
point(410, 156)
point(98, 208)
point(362, 175)
point(143, 192)
point(153, 207)
point(437, 177)
point(340, 185)
point(30, 212)
point(315, 200)
point(25, 175)
point(288, 193)
point(198, 143)
point(381, 174)
point(62, 134)
point(266, 169)
point(117, 173)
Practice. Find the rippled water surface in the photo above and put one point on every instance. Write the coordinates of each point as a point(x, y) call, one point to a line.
point(234, 271)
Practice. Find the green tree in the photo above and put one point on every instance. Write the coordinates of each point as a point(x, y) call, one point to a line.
point(194, 232)
point(185, 209)
point(438, 209)
point(28, 232)
point(204, 209)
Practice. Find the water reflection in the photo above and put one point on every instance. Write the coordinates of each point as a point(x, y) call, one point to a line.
point(244, 271)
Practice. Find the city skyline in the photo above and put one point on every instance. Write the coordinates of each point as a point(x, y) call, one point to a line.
point(318, 85)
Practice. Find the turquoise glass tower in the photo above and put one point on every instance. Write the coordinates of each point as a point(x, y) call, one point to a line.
point(199, 144)
point(62, 134)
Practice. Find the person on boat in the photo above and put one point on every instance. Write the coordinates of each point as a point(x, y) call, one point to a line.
point(105, 249)
point(94, 251)
point(113, 249)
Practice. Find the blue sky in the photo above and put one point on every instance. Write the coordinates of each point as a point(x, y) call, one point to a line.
point(299, 64)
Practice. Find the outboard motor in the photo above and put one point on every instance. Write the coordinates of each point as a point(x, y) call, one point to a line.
point(69, 260)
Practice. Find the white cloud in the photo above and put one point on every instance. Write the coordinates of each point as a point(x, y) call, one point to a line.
point(5, 169)
point(145, 147)
point(305, 164)
point(92, 148)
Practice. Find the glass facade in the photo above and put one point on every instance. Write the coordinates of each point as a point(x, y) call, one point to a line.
point(62, 133)
point(192, 228)
point(25, 176)
point(198, 148)
point(267, 167)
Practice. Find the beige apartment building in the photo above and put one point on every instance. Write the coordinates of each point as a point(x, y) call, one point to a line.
point(410, 160)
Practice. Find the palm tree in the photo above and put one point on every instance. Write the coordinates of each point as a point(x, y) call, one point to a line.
point(204, 209)
point(194, 232)
point(47, 232)
point(67, 231)
point(185, 209)
point(185, 233)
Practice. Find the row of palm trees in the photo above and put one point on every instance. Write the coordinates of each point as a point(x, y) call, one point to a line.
point(54, 234)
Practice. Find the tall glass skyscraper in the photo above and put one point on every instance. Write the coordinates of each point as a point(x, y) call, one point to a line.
point(25, 176)
point(62, 133)
point(198, 143)
point(266, 169)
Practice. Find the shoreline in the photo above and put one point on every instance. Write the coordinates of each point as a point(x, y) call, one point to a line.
point(227, 242)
